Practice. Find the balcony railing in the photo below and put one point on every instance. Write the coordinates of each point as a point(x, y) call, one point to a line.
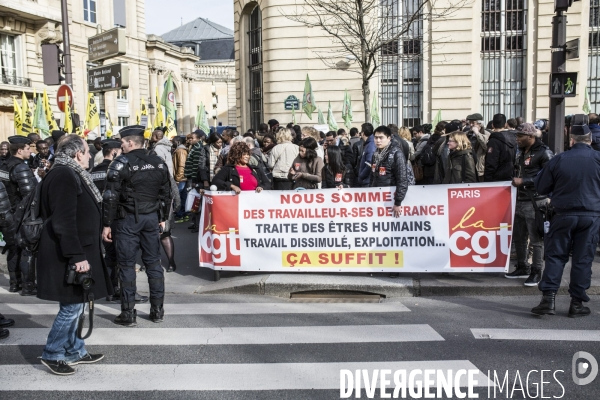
point(15, 80)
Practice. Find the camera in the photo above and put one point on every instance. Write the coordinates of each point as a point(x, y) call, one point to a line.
point(79, 278)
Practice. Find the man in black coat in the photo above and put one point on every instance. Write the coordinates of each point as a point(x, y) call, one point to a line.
point(501, 152)
point(71, 209)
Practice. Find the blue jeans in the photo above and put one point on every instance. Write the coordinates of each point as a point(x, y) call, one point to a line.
point(63, 343)
point(183, 196)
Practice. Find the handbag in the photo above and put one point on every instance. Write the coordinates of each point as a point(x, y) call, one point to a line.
point(417, 170)
point(192, 197)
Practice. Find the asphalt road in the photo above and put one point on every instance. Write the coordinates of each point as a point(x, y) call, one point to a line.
point(257, 347)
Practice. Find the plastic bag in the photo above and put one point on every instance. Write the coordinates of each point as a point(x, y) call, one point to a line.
point(191, 200)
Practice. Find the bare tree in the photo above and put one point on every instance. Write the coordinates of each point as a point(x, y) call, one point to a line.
point(364, 30)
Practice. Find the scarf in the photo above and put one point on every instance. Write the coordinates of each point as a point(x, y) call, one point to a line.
point(381, 155)
point(61, 159)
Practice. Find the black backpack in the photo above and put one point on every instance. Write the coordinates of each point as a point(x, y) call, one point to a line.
point(427, 157)
point(29, 222)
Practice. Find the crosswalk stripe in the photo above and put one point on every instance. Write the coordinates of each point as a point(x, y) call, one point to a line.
point(238, 335)
point(219, 308)
point(538, 334)
point(210, 377)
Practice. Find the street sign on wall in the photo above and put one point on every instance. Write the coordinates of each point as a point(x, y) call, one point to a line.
point(108, 44)
point(61, 97)
point(292, 102)
point(108, 77)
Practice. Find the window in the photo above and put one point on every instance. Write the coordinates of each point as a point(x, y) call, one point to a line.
point(8, 59)
point(123, 121)
point(255, 68)
point(401, 67)
point(122, 94)
point(503, 58)
point(594, 57)
point(89, 11)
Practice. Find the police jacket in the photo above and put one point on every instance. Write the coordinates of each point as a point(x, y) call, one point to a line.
point(228, 175)
point(391, 170)
point(595, 128)
point(98, 174)
point(137, 183)
point(18, 180)
point(500, 156)
point(573, 178)
point(528, 165)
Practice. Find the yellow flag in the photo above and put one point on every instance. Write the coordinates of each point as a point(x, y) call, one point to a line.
point(33, 110)
point(137, 117)
point(27, 126)
point(159, 119)
point(171, 131)
point(109, 126)
point(18, 117)
point(92, 117)
point(52, 126)
point(68, 123)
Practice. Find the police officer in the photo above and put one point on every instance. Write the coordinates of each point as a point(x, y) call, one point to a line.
point(19, 182)
point(110, 150)
point(138, 198)
point(6, 220)
point(573, 179)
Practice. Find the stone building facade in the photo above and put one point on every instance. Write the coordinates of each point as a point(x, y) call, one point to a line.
point(489, 56)
point(26, 24)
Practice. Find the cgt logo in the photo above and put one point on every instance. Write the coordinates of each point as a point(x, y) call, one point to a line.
point(219, 238)
point(480, 226)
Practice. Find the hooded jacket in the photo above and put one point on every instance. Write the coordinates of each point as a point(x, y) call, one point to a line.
point(179, 159)
point(500, 156)
point(528, 165)
point(393, 171)
point(162, 148)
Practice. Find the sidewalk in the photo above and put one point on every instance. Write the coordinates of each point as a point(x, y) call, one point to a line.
point(189, 278)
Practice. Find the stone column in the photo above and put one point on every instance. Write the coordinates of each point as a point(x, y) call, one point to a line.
point(153, 83)
point(187, 125)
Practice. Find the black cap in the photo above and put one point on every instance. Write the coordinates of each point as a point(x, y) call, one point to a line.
point(451, 127)
point(132, 130)
point(475, 117)
point(111, 144)
point(575, 130)
point(200, 133)
point(273, 122)
point(19, 140)
point(57, 135)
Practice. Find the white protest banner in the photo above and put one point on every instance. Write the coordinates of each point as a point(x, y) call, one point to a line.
point(443, 228)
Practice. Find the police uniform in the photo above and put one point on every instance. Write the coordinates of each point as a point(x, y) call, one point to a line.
point(6, 220)
point(573, 181)
point(19, 181)
point(137, 197)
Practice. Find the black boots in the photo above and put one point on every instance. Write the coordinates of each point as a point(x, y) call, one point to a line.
point(577, 309)
point(157, 313)
point(116, 296)
point(140, 299)
point(28, 289)
point(4, 333)
point(128, 315)
point(546, 306)
point(6, 322)
point(15, 283)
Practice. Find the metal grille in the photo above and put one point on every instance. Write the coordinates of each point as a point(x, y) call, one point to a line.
point(401, 65)
point(255, 68)
point(594, 57)
point(503, 58)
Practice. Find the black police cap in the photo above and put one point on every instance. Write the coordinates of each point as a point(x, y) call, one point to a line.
point(133, 130)
point(19, 140)
point(111, 144)
point(575, 130)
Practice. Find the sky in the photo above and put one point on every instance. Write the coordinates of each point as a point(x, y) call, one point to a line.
point(163, 16)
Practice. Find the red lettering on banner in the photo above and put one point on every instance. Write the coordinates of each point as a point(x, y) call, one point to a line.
point(479, 234)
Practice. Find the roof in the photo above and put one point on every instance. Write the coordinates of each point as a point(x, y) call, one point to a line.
point(198, 30)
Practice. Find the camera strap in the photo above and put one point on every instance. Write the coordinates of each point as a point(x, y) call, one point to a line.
point(87, 297)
